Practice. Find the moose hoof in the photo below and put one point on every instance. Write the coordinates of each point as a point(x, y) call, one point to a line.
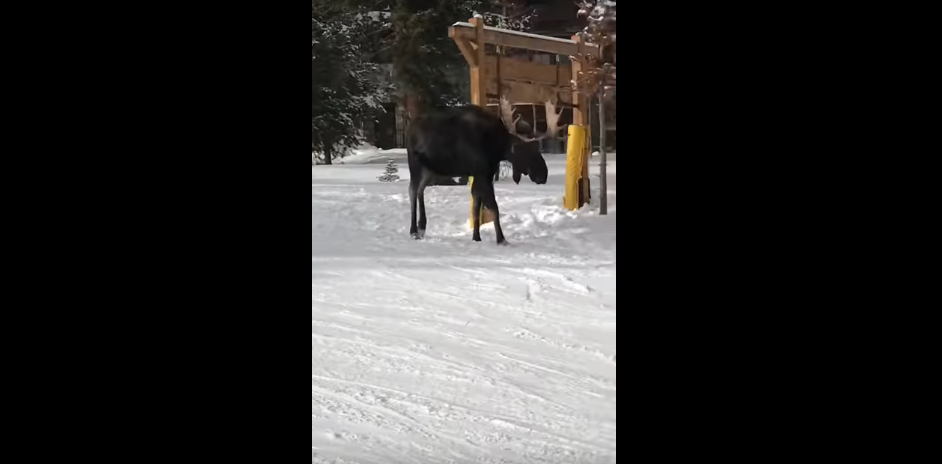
point(503, 242)
point(476, 239)
point(415, 235)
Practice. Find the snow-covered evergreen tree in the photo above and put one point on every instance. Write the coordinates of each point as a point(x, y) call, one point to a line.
point(391, 172)
point(508, 14)
point(423, 55)
point(343, 91)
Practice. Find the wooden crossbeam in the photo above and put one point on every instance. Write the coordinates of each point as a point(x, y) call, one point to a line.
point(516, 39)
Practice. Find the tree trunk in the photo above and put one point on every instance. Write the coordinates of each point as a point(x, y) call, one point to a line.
point(603, 182)
point(327, 154)
point(412, 107)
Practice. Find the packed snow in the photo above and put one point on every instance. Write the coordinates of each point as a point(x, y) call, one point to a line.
point(446, 350)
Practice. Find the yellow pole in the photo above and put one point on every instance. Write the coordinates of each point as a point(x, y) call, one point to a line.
point(575, 160)
point(486, 214)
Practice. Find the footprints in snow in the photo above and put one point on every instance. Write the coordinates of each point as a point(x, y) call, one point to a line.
point(538, 283)
point(534, 287)
point(524, 334)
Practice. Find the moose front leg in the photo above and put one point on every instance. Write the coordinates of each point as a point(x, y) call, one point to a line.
point(490, 202)
point(476, 216)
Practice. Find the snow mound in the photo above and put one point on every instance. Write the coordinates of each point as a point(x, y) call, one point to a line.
point(368, 154)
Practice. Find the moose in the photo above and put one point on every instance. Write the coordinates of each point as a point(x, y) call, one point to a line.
point(471, 141)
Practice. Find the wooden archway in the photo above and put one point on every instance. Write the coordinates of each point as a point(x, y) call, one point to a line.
point(522, 82)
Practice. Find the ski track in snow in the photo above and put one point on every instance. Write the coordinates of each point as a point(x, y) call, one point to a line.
point(445, 350)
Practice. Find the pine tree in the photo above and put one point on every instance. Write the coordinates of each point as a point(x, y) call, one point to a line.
point(508, 14)
point(412, 34)
point(391, 172)
point(425, 60)
point(424, 57)
point(343, 89)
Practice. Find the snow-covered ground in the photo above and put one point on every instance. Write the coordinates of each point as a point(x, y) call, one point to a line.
point(449, 351)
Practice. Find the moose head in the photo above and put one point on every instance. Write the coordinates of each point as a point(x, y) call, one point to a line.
point(525, 153)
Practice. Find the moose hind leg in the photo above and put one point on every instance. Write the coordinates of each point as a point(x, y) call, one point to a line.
point(490, 202)
point(476, 209)
point(427, 178)
point(413, 230)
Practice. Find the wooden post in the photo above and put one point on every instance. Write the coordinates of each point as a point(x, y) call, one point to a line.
point(478, 87)
point(479, 98)
point(580, 108)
